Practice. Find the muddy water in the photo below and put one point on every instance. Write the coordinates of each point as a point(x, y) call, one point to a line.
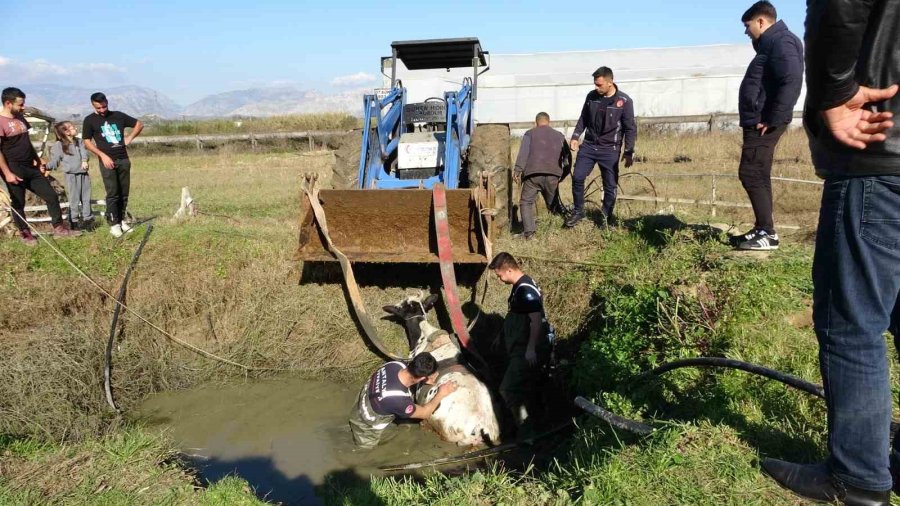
point(285, 437)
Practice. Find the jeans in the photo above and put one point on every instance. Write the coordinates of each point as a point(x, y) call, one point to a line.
point(117, 181)
point(33, 180)
point(543, 184)
point(755, 173)
point(608, 159)
point(856, 279)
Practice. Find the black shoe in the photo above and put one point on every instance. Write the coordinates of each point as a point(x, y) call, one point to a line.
point(574, 219)
point(762, 242)
point(736, 240)
point(815, 482)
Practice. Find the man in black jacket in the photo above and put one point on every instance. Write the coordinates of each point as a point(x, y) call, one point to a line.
point(607, 121)
point(852, 70)
point(543, 158)
point(768, 93)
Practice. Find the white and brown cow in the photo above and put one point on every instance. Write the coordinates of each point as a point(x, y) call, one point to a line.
point(465, 417)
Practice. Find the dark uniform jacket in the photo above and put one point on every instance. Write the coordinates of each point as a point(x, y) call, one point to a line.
point(609, 121)
point(772, 83)
point(526, 308)
point(851, 43)
point(543, 151)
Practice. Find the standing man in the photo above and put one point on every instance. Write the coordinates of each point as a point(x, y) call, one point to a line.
point(104, 135)
point(768, 93)
point(542, 160)
point(607, 119)
point(386, 396)
point(23, 169)
point(852, 70)
point(526, 344)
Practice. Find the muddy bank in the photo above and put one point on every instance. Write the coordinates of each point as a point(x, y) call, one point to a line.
point(286, 437)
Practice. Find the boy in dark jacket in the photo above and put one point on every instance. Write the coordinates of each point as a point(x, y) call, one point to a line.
point(768, 93)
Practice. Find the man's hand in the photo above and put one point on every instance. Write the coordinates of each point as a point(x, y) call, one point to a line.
point(517, 177)
point(11, 178)
point(43, 168)
point(573, 144)
point(447, 389)
point(629, 159)
point(84, 164)
point(107, 162)
point(763, 128)
point(531, 355)
point(855, 126)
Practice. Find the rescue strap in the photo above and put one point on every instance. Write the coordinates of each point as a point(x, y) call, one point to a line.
point(312, 193)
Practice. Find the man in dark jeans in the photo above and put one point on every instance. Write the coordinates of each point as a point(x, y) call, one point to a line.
point(856, 268)
point(768, 93)
point(22, 169)
point(104, 135)
point(543, 158)
point(607, 121)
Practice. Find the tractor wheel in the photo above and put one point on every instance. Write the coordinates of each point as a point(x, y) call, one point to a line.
point(347, 150)
point(489, 152)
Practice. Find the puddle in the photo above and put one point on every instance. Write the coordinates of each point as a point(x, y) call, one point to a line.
point(285, 437)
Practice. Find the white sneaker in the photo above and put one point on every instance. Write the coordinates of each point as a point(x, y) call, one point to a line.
point(126, 228)
point(116, 231)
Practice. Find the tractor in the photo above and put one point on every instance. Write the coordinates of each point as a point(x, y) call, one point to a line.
point(419, 183)
point(380, 206)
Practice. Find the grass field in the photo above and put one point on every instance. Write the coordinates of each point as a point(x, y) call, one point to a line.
point(659, 287)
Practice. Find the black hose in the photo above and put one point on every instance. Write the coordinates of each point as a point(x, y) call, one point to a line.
point(788, 379)
point(619, 422)
point(120, 297)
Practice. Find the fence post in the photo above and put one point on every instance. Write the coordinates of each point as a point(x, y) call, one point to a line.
point(253, 142)
point(199, 144)
point(714, 195)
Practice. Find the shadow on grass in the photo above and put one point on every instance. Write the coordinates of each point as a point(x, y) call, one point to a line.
point(658, 229)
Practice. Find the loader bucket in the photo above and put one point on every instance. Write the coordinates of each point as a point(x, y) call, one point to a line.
point(391, 226)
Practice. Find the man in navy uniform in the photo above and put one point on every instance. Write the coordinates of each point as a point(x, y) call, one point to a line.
point(526, 344)
point(607, 121)
point(386, 396)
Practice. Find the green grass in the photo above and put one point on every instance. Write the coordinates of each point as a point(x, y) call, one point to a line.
point(130, 467)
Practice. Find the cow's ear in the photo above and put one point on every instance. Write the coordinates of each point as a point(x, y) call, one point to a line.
point(430, 301)
point(394, 310)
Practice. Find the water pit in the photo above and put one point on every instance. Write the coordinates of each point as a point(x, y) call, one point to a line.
point(286, 437)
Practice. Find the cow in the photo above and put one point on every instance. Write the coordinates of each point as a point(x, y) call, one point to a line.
point(467, 416)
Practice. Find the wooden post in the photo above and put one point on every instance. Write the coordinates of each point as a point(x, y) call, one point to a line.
point(187, 205)
point(713, 195)
point(199, 144)
point(253, 142)
point(312, 144)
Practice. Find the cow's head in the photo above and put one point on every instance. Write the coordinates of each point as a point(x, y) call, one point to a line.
point(411, 313)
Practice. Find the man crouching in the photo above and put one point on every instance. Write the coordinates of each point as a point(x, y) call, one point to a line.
point(386, 396)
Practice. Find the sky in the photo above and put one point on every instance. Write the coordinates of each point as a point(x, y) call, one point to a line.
point(188, 49)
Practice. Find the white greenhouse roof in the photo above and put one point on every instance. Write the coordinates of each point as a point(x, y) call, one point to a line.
point(673, 81)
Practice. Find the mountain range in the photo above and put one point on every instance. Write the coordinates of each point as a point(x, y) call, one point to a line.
point(63, 102)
